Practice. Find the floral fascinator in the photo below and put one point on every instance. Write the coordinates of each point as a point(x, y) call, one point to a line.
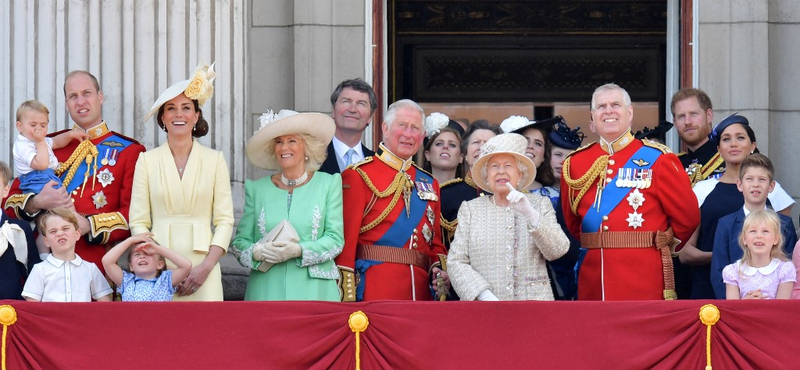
point(434, 123)
point(199, 88)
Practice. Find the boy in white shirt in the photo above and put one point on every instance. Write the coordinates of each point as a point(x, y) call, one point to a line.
point(64, 276)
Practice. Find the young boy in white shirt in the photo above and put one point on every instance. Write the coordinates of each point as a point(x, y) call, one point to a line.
point(63, 276)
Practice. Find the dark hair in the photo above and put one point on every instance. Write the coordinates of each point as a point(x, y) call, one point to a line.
point(359, 85)
point(200, 128)
point(683, 94)
point(757, 160)
point(429, 143)
point(5, 173)
point(81, 72)
point(544, 173)
point(160, 258)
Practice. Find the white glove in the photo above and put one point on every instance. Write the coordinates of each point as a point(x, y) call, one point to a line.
point(258, 251)
point(278, 252)
point(487, 295)
point(522, 205)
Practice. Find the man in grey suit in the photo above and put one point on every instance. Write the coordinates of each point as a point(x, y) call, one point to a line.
point(353, 103)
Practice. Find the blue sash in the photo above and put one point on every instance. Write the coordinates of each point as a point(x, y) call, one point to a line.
point(106, 146)
point(613, 195)
point(400, 231)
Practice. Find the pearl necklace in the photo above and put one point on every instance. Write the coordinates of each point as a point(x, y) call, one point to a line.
point(296, 182)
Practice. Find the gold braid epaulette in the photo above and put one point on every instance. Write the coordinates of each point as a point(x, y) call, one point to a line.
point(449, 227)
point(399, 183)
point(86, 151)
point(585, 182)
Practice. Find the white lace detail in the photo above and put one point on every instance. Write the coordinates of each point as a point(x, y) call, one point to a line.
point(244, 257)
point(262, 222)
point(315, 222)
point(318, 272)
point(311, 258)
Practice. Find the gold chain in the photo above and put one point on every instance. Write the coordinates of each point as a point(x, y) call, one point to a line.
point(84, 152)
point(399, 183)
point(583, 183)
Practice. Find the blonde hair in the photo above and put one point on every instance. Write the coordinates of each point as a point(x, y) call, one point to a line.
point(771, 219)
point(32, 105)
point(315, 150)
point(61, 212)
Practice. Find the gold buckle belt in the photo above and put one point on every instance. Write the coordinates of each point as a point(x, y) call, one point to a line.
point(393, 255)
point(661, 240)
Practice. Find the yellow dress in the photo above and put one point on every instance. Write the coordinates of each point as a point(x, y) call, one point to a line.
point(180, 211)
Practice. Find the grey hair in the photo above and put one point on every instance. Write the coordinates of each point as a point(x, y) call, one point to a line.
point(523, 171)
point(391, 112)
point(611, 87)
point(315, 150)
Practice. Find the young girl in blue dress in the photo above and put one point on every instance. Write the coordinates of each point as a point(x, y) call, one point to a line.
point(149, 279)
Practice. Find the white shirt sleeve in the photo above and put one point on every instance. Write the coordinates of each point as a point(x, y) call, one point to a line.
point(779, 198)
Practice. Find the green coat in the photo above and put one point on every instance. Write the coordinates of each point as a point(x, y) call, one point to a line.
point(316, 214)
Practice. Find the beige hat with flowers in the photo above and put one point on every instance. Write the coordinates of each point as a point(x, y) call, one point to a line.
point(510, 143)
point(286, 122)
point(199, 88)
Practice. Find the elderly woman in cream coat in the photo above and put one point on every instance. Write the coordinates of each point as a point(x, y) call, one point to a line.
point(502, 240)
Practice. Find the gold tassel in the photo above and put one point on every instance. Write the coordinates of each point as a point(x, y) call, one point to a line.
point(8, 316)
point(358, 323)
point(709, 315)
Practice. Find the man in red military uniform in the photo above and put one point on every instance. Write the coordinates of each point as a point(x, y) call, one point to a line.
point(97, 175)
point(391, 216)
point(630, 202)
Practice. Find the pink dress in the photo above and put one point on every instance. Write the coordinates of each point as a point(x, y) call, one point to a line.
point(766, 278)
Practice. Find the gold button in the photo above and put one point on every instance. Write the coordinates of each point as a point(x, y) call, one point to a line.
point(73, 200)
point(416, 238)
point(605, 218)
point(415, 231)
point(611, 162)
point(605, 228)
point(74, 192)
point(609, 171)
point(608, 179)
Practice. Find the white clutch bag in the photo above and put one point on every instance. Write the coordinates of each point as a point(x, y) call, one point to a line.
point(283, 231)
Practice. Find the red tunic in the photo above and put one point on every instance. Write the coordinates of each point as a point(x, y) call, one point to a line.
point(107, 212)
point(387, 280)
point(630, 274)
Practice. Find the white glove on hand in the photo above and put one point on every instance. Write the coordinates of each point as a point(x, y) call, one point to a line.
point(258, 251)
point(522, 205)
point(278, 252)
point(487, 295)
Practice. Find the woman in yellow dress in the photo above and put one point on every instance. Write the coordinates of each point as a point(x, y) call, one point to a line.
point(182, 187)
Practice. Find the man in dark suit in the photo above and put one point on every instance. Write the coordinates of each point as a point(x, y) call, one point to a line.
point(353, 103)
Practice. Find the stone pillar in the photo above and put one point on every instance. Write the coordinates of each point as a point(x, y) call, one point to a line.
point(747, 63)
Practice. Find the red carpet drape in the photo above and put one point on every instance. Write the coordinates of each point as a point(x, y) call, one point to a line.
point(401, 335)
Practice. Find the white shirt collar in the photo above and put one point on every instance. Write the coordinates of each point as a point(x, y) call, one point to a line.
point(341, 148)
point(58, 263)
point(747, 211)
point(766, 270)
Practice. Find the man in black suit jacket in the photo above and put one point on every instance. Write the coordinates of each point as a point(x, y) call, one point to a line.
point(353, 103)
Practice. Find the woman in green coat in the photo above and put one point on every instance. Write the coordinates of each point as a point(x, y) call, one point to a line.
point(291, 260)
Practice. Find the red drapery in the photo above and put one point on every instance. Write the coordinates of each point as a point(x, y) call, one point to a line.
point(401, 335)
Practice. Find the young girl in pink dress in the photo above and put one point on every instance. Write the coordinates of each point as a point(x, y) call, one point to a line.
point(764, 271)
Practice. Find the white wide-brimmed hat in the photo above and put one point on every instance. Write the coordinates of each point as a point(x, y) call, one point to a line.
point(513, 144)
point(199, 88)
point(286, 122)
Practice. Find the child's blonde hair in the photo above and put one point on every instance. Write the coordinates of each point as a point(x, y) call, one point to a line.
point(63, 213)
point(771, 219)
point(32, 105)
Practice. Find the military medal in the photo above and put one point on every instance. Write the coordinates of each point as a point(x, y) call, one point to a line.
point(99, 199)
point(113, 160)
point(635, 199)
point(429, 213)
point(427, 233)
point(104, 162)
point(105, 176)
point(635, 220)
